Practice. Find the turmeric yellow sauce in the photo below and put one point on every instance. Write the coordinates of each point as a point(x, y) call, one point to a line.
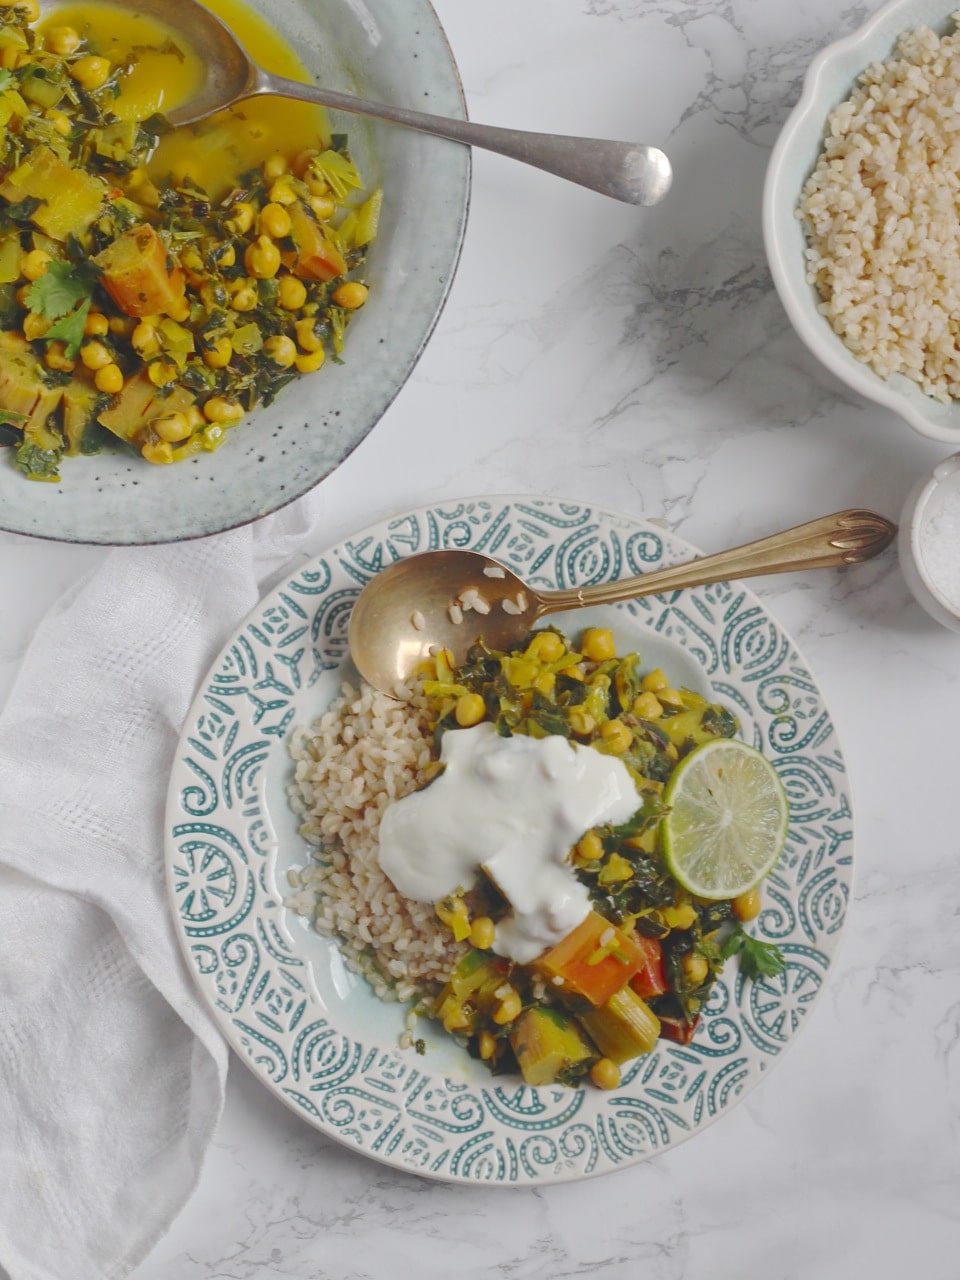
point(166, 72)
point(157, 284)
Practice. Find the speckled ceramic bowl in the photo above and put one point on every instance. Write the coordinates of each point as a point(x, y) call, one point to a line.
point(928, 544)
point(391, 50)
point(829, 81)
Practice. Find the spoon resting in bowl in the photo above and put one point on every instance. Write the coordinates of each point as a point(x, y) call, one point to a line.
point(631, 172)
point(450, 599)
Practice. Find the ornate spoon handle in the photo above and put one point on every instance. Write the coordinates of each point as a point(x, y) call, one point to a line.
point(846, 537)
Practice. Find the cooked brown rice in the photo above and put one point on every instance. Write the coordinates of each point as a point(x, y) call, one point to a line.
point(365, 752)
point(880, 212)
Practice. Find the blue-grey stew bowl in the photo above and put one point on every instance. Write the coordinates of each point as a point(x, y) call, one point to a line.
point(389, 50)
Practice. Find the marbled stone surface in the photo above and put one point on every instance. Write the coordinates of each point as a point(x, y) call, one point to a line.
point(640, 360)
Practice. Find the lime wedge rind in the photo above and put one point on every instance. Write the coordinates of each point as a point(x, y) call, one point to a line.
point(727, 821)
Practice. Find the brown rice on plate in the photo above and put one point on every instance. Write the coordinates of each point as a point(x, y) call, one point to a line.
point(365, 752)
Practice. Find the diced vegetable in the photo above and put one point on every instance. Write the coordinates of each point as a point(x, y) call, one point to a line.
point(70, 199)
point(80, 400)
point(138, 275)
point(650, 979)
point(680, 1030)
point(593, 961)
point(138, 404)
point(623, 1028)
point(24, 391)
point(316, 256)
point(549, 1047)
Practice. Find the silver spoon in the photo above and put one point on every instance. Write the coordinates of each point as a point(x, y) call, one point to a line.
point(631, 172)
point(413, 606)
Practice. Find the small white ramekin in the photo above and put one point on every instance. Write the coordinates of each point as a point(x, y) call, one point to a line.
point(924, 505)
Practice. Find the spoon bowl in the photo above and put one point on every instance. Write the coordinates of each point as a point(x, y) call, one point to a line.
point(632, 172)
point(451, 599)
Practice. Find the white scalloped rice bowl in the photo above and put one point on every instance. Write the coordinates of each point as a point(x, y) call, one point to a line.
point(390, 50)
point(829, 81)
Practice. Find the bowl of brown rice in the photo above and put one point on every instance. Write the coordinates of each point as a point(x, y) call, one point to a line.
point(860, 213)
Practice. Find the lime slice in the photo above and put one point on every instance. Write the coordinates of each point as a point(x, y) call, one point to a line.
point(727, 821)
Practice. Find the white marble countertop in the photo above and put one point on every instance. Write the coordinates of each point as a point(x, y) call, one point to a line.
point(640, 360)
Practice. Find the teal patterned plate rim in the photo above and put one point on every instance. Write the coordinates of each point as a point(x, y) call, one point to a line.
point(314, 1033)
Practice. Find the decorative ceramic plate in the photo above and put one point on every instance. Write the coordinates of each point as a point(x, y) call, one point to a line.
point(315, 1034)
point(393, 51)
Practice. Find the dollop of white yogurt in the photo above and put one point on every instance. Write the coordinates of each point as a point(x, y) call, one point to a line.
point(513, 807)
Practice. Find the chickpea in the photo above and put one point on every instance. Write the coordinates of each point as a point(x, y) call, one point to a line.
point(275, 166)
point(274, 221)
point(469, 710)
point(281, 350)
point(307, 336)
point(282, 193)
point(582, 722)
point(91, 72)
point(219, 355)
point(179, 310)
point(616, 736)
point(351, 295)
point(62, 41)
point(96, 325)
point(34, 264)
point(161, 372)
point(159, 452)
point(647, 706)
point(747, 905)
point(605, 1074)
point(311, 361)
point(222, 409)
point(695, 968)
point(56, 357)
point(35, 326)
point(245, 298)
point(291, 293)
point(241, 219)
point(546, 646)
point(29, 10)
point(172, 427)
point(654, 681)
point(60, 121)
point(545, 683)
point(589, 848)
point(95, 355)
point(322, 206)
point(303, 160)
point(145, 339)
point(109, 379)
point(598, 644)
point(482, 933)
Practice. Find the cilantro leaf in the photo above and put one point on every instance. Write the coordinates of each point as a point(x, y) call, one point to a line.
point(69, 329)
point(6, 78)
point(757, 959)
point(37, 463)
point(61, 287)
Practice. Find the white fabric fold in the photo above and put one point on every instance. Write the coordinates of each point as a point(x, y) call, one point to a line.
point(112, 1072)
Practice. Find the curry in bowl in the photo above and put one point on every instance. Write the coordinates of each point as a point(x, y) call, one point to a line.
point(156, 284)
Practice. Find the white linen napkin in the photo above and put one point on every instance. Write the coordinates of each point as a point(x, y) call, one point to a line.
point(111, 1072)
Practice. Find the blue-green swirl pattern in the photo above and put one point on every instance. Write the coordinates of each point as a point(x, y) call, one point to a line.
point(254, 967)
